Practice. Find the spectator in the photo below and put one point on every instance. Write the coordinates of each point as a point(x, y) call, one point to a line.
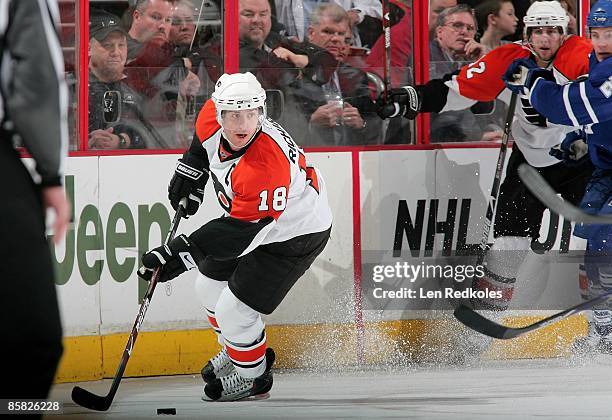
point(277, 62)
point(151, 22)
point(294, 14)
point(453, 42)
point(453, 47)
point(339, 112)
point(183, 29)
point(357, 11)
point(158, 70)
point(401, 52)
point(148, 48)
point(399, 130)
point(401, 44)
point(115, 116)
point(435, 8)
point(496, 20)
point(572, 26)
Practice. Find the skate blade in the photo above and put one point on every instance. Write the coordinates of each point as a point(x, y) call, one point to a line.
point(258, 397)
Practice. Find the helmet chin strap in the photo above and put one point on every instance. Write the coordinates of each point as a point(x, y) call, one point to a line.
point(234, 147)
point(533, 51)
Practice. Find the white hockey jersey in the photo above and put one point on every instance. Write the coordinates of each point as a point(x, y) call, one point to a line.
point(267, 190)
point(482, 81)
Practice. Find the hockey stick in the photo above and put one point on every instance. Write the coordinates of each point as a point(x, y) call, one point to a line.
point(501, 160)
point(92, 401)
point(543, 191)
point(477, 322)
point(387, 49)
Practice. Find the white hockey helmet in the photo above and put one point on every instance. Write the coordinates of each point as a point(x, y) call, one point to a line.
point(546, 13)
point(238, 92)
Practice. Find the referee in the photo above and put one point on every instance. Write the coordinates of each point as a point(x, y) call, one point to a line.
point(33, 107)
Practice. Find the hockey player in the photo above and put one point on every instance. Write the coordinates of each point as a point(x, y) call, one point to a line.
point(277, 220)
point(587, 104)
point(33, 111)
point(518, 216)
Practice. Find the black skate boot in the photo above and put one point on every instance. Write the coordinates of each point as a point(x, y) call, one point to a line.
point(234, 387)
point(220, 365)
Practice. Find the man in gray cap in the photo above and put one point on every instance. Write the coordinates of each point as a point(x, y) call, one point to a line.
point(115, 116)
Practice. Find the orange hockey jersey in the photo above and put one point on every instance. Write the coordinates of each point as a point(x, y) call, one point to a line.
point(482, 81)
point(267, 190)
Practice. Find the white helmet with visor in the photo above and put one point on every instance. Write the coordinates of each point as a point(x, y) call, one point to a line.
point(239, 92)
point(545, 14)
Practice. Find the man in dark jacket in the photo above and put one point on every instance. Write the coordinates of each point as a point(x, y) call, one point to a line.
point(341, 111)
point(115, 116)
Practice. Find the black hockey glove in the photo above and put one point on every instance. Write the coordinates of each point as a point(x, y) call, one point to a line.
point(403, 101)
point(573, 150)
point(173, 259)
point(188, 181)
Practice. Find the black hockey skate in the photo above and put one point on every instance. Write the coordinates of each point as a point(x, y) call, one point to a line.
point(234, 387)
point(217, 367)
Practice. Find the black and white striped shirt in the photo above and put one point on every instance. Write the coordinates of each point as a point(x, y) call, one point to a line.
point(33, 92)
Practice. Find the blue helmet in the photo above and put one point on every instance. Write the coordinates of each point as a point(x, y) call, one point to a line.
point(600, 15)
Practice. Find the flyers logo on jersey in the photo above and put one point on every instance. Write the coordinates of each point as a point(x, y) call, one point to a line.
point(225, 203)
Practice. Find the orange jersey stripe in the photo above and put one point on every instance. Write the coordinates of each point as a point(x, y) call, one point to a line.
point(261, 181)
point(213, 321)
point(572, 59)
point(311, 175)
point(248, 356)
point(206, 124)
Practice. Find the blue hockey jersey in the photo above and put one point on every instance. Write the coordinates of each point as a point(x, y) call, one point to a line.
point(584, 103)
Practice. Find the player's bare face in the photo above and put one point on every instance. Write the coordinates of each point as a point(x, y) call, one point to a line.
point(254, 22)
point(240, 126)
point(602, 42)
point(545, 42)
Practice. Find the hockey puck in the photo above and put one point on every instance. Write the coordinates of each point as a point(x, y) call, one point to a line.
point(166, 411)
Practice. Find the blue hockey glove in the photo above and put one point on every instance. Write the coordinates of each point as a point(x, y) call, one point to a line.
point(573, 150)
point(516, 75)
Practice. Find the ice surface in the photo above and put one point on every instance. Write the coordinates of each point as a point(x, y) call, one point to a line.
point(543, 389)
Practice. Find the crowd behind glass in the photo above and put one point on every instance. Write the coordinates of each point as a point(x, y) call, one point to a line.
point(153, 63)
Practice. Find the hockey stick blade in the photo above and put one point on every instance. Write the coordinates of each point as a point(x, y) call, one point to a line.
point(86, 399)
point(540, 188)
point(92, 401)
point(473, 320)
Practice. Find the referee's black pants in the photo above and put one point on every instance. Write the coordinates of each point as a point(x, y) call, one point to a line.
point(30, 326)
